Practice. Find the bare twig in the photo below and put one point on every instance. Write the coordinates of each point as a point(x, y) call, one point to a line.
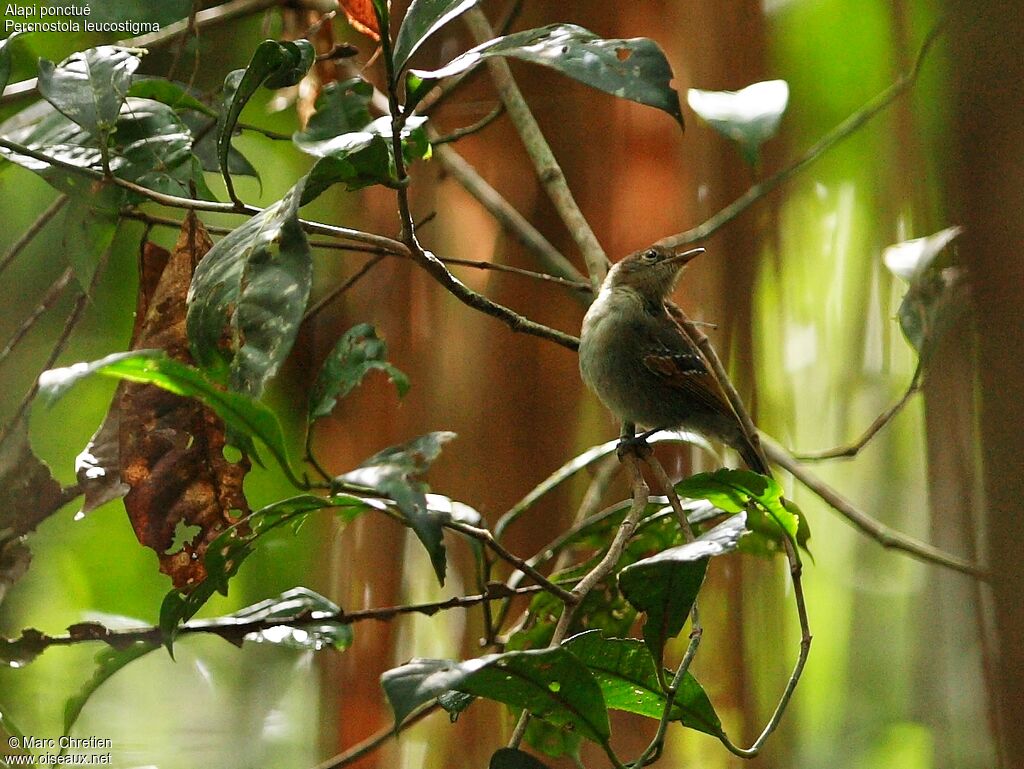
point(334, 293)
point(845, 129)
point(852, 449)
point(211, 17)
point(513, 222)
point(878, 531)
point(377, 739)
point(29, 235)
point(548, 170)
point(477, 127)
point(49, 299)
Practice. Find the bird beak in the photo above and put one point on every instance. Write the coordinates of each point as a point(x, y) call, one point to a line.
point(681, 258)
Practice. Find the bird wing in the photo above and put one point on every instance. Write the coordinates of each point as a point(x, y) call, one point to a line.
point(677, 362)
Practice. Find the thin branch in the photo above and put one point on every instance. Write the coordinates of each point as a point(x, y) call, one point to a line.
point(374, 741)
point(852, 449)
point(29, 235)
point(878, 531)
point(49, 299)
point(234, 630)
point(577, 285)
point(211, 17)
point(336, 292)
point(507, 215)
point(842, 131)
point(548, 170)
point(473, 128)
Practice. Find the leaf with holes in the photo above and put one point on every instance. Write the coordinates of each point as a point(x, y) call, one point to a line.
point(749, 117)
point(552, 684)
point(90, 86)
point(626, 674)
point(395, 473)
point(248, 295)
point(358, 352)
point(665, 585)
point(634, 69)
point(275, 65)
point(423, 19)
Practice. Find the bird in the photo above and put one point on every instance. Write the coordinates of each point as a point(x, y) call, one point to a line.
point(636, 357)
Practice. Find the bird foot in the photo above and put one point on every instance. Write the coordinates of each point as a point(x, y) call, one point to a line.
point(636, 445)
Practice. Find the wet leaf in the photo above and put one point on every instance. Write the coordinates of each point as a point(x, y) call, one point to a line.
point(749, 116)
point(248, 295)
point(90, 86)
point(275, 65)
point(395, 473)
point(552, 684)
point(454, 703)
point(625, 672)
point(634, 69)
point(423, 19)
point(358, 352)
point(322, 630)
point(108, 662)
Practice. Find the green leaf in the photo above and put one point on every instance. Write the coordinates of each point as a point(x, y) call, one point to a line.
point(248, 419)
point(8, 725)
point(252, 287)
point(423, 19)
point(394, 473)
point(108, 662)
point(275, 65)
point(63, 140)
point(625, 672)
point(511, 758)
point(353, 148)
point(552, 684)
point(204, 148)
point(357, 353)
point(174, 95)
point(90, 86)
point(749, 116)
point(634, 69)
point(153, 148)
point(5, 59)
point(323, 630)
point(454, 703)
point(88, 233)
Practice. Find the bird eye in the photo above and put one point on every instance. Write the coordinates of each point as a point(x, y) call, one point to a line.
point(650, 255)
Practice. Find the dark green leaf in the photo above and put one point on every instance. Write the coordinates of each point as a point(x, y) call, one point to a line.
point(153, 148)
point(88, 233)
point(204, 147)
point(60, 138)
point(248, 295)
point(357, 353)
point(454, 703)
point(248, 419)
point(634, 69)
point(108, 662)
point(174, 95)
point(625, 672)
point(369, 165)
point(273, 64)
point(552, 684)
point(510, 758)
point(322, 631)
point(341, 108)
point(749, 116)
point(423, 19)
point(394, 473)
point(5, 59)
point(90, 86)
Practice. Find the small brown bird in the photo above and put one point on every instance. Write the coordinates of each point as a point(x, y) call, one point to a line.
point(638, 360)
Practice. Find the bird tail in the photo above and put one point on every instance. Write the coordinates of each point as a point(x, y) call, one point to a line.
point(753, 456)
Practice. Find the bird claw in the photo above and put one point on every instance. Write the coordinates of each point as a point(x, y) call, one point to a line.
point(636, 445)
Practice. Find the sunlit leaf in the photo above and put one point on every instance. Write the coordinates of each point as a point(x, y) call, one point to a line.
point(552, 684)
point(395, 473)
point(358, 352)
point(749, 116)
point(634, 69)
point(90, 86)
point(248, 297)
point(625, 672)
point(423, 19)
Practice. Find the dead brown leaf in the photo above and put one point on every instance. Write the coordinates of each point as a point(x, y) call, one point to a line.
point(362, 18)
point(183, 491)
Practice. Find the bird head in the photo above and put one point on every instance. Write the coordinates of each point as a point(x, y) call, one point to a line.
point(652, 271)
